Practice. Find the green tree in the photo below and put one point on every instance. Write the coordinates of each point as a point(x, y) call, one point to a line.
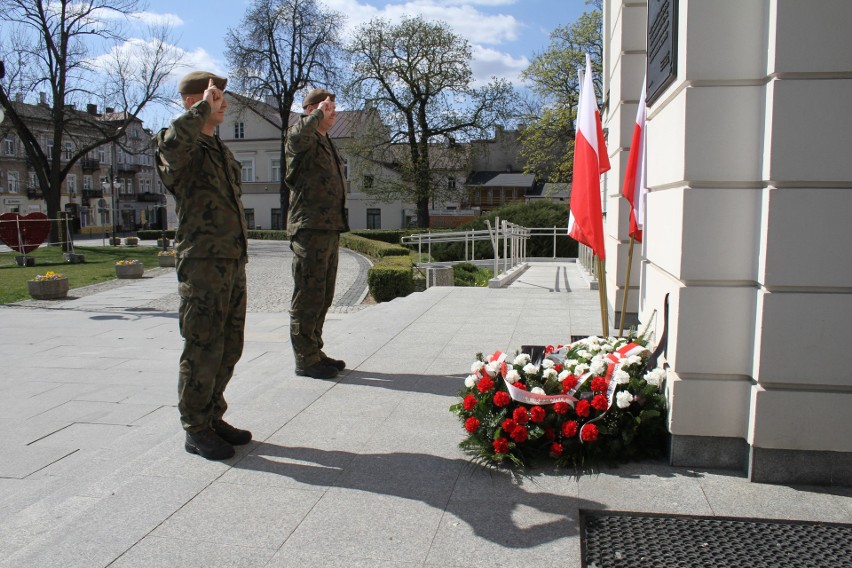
point(547, 143)
point(417, 75)
point(51, 49)
point(281, 48)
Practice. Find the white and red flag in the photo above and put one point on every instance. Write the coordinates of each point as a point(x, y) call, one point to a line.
point(634, 178)
point(590, 161)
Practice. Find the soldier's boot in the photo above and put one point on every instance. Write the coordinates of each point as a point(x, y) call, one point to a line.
point(207, 444)
point(233, 436)
point(317, 371)
point(336, 363)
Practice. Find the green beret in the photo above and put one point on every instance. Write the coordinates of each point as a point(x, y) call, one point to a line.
point(198, 81)
point(316, 96)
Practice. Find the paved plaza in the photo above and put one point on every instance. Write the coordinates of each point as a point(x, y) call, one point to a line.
point(363, 470)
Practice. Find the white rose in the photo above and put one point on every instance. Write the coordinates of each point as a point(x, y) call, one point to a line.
point(623, 399)
point(470, 381)
point(512, 376)
point(622, 377)
point(549, 374)
point(547, 363)
point(476, 367)
point(530, 369)
point(537, 390)
point(522, 359)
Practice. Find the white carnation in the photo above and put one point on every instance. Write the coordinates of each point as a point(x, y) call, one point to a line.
point(492, 368)
point(655, 377)
point(537, 390)
point(622, 377)
point(581, 369)
point(623, 399)
point(470, 381)
point(606, 348)
point(530, 369)
point(512, 376)
point(594, 347)
point(549, 374)
point(476, 367)
point(522, 359)
point(564, 375)
point(634, 359)
point(570, 363)
point(547, 363)
point(583, 354)
point(598, 367)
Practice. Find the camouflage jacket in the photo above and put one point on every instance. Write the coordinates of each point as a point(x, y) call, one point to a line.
point(315, 178)
point(205, 179)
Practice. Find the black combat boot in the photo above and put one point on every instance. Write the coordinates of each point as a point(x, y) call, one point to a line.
point(336, 363)
point(207, 444)
point(317, 371)
point(233, 436)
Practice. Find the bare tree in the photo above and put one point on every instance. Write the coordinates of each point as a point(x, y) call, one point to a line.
point(281, 48)
point(417, 75)
point(53, 52)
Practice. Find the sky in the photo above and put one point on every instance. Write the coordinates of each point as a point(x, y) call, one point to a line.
point(504, 34)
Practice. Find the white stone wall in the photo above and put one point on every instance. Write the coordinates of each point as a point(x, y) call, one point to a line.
point(748, 217)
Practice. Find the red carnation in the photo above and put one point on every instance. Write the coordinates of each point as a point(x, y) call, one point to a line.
point(589, 433)
point(561, 408)
point(469, 402)
point(471, 424)
point(548, 350)
point(569, 429)
point(520, 385)
point(508, 425)
point(501, 445)
point(537, 414)
point(569, 382)
point(519, 434)
point(558, 368)
point(599, 384)
point(599, 402)
point(520, 415)
point(556, 449)
point(549, 433)
point(582, 409)
point(502, 398)
point(485, 384)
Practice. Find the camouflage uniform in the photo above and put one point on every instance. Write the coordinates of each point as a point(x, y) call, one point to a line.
point(211, 240)
point(315, 220)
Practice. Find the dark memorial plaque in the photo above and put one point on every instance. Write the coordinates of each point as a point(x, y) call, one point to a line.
point(662, 47)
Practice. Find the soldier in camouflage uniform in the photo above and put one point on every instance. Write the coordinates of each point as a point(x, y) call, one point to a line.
point(316, 218)
point(211, 241)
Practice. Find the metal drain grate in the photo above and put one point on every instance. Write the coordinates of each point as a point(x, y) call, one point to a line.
point(636, 540)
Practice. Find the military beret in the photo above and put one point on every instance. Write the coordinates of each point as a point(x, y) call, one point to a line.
point(316, 96)
point(198, 81)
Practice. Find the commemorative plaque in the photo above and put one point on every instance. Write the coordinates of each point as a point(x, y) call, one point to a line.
point(662, 47)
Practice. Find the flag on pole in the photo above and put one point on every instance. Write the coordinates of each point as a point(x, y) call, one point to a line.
point(634, 178)
point(590, 161)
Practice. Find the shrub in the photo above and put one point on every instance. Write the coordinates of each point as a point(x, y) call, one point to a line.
point(387, 281)
point(374, 249)
point(151, 234)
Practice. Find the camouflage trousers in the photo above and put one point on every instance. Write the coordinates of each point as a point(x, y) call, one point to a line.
point(315, 254)
point(212, 322)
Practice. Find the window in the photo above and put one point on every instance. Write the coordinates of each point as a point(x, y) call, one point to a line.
point(101, 155)
point(239, 130)
point(451, 183)
point(346, 169)
point(33, 181)
point(71, 184)
point(249, 217)
point(374, 218)
point(50, 149)
point(9, 146)
point(276, 170)
point(12, 178)
point(368, 182)
point(248, 170)
point(277, 225)
point(87, 182)
point(68, 150)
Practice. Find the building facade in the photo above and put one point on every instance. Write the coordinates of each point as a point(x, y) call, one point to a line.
point(746, 229)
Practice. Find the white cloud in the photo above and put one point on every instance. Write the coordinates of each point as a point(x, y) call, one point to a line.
point(155, 19)
point(489, 63)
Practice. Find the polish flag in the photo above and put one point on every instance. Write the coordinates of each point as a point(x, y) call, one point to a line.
point(590, 161)
point(634, 178)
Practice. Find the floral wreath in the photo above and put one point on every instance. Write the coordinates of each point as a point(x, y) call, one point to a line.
point(582, 403)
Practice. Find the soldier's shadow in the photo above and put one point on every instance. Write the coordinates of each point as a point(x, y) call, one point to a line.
point(491, 501)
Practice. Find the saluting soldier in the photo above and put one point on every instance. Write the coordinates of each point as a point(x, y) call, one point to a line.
point(315, 220)
point(211, 242)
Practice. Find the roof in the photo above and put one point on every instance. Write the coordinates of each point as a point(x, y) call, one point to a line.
point(501, 179)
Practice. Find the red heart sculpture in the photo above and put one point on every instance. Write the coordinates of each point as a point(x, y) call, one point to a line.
point(24, 233)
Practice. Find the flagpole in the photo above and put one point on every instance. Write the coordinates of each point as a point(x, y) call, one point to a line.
point(602, 294)
point(626, 285)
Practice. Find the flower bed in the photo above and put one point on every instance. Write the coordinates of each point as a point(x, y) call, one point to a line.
point(166, 258)
point(588, 402)
point(129, 268)
point(48, 286)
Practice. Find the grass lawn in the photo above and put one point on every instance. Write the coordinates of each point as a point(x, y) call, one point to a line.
point(99, 267)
